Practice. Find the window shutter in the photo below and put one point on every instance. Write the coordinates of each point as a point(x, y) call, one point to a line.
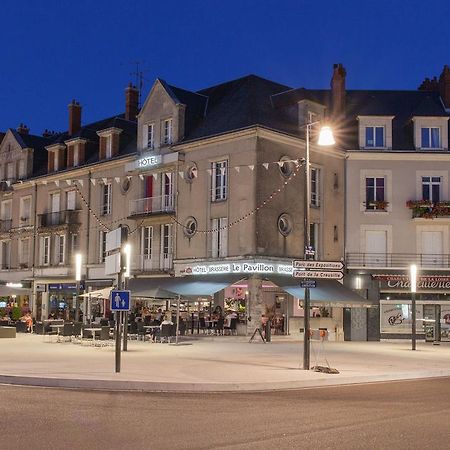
point(102, 148)
point(213, 182)
point(115, 141)
point(51, 161)
point(70, 151)
point(223, 250)
point(214, 238)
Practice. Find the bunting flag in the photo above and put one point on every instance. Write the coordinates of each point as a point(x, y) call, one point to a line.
point(69, 182)
point(117, 179)
point(281, 163)
point(155, 176)
point(251, 166)
point(93, 181)
point(181, 174)
point(105, 180)
point(8, 183)
point(44, 182)
point(141, 176)
point(266, 166)
point(57, 183)
point(81, 181)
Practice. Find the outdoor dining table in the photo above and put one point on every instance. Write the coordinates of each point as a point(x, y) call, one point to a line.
point(93, 330)
point(58, 327)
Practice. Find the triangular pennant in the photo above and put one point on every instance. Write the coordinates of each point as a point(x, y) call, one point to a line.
point(93, 181)
point(105, 180)
point(181, 174)
point(266, 166)
point(155, 176)
point(117, 179)
point(8, 183)
point(141, 176)
point(280, 163)
point(251, 166)
point(237, 168)
point(44, 182)
point(81, 182)
point(57, 183)
point(69, 182)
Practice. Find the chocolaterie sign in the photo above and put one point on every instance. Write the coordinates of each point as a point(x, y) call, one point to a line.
point(424, 283)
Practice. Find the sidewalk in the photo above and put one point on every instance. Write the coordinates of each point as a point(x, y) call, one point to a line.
point(213, 364)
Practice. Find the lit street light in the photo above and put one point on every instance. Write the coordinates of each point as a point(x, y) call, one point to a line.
point(413, 281)
point(325, 138)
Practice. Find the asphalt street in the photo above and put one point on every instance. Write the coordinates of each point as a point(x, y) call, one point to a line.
point(395, 415)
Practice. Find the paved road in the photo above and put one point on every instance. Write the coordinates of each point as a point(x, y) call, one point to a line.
point(409, 415)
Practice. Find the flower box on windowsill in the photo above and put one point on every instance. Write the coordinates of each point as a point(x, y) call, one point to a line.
point(426, 209)
point(377, 206)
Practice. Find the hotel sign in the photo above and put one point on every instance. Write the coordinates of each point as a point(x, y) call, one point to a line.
point(238, 267)
point(148, 160)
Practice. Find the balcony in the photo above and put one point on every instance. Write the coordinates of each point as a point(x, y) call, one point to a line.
point(59, 218)
point(426, 209)
point(154, 263)
point(397, 260)
point(148, 206)
point(5, 225)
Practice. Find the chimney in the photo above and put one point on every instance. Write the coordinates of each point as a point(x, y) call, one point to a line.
point(444, 86)
point(131, 102)
point(74, 117)
point(429, 85)
point(23, 129)
point(338, 89)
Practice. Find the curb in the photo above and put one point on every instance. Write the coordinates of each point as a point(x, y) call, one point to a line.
point(150, 386)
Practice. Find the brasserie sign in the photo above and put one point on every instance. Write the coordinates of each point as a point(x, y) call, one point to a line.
point(237, 267)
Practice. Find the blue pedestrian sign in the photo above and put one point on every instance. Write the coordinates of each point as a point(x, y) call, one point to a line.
point(120, 300)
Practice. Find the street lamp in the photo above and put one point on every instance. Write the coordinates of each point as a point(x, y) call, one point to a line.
point(413, 281)
point(78, 262)
point(127, 252)
point(325, 138)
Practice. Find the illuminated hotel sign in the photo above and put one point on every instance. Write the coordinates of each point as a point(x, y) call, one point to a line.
point(148, 160)
point(238, 267)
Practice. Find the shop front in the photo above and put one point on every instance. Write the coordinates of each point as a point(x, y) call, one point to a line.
point(432, 310)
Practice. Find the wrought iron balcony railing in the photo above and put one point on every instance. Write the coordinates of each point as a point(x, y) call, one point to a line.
point(163, 204)
point(397, 260)
point(58, 218)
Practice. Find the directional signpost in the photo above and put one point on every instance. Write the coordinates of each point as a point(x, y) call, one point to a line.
point(308, 271)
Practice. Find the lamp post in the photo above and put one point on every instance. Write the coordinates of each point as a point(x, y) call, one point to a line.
point(78, 262)
point(413, 281)
point(126, 276)
point(325, 138)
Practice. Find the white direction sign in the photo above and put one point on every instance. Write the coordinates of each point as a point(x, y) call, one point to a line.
point(317, 265)
point(318, 274)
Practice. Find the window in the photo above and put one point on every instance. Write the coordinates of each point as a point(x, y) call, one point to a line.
point(167, 179)
point(219, 237)
point(102, 246)
point(6, 254)
point(56, 160)
point(431, 137)
point(190, 227)
point(219, 180)
point(147, 242)
point(74, 243)
point(108, 145)
point(149, 136)
point(167, 132)
point(285, 224)
point(166, 246)
point(10, 171)
point(375, 137)
point(315, 186)
point(60, 248)
point(76, 155)
point(21, 170)
point(106, 199)
point(25, 210)
point(70, 200)
point(24, 252)
point(6, 210)
point(45, 250)
point(375, 193)
point(431, 189)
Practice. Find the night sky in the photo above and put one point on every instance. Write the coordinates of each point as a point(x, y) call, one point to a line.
point(53, 51)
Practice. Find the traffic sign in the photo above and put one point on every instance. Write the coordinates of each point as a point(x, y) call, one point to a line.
point(317, 265)
point(308, 284)
point(318, 274)
point(120, 300)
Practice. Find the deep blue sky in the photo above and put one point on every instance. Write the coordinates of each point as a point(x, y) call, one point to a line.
point(53, 51)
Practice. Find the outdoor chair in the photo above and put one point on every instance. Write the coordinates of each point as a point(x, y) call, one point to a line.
point(48, 330)
point(87, 335)
point(103, 339)
point(76, 332)
point(67, 332)
point(39, 328)
point(167, 332)
point(21, 327)
point(133, 333)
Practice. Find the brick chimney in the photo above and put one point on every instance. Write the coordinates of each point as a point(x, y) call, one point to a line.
point(23, 129)
point(338, 89)
point(444, 86)
point(74, 117)
point(131, 102)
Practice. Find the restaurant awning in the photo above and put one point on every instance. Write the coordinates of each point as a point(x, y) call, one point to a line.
point(100, 293)
point(189, 286)
point(326, 293)
point(7, 291)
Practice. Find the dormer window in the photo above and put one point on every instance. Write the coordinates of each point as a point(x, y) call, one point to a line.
point(374, 137)
point(76, 156)
point(56, 160)
point(431, 137)
point(109, 142)
point(167, 132)
point(149, 136)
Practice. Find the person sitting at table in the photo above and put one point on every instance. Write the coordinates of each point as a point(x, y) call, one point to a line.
point(29, 321)
point(52, 316)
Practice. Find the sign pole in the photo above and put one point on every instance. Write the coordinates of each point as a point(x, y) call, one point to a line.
point(117, 316)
